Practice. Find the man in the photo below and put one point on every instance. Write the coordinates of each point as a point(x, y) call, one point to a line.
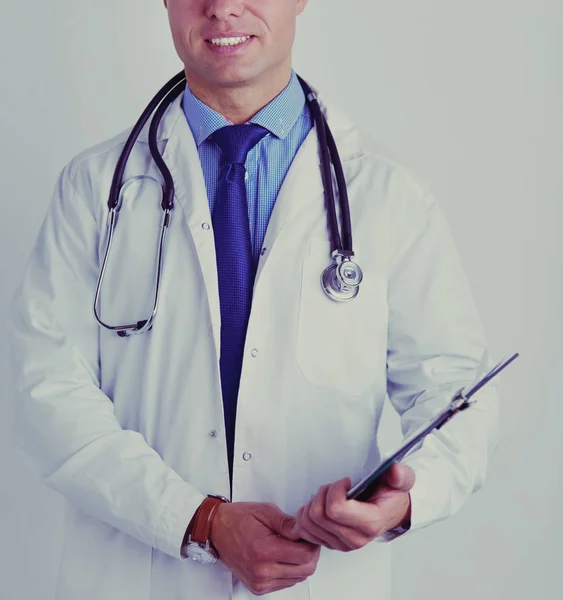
point(139, 433)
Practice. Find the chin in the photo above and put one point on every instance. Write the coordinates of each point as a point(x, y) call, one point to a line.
point(231, 77)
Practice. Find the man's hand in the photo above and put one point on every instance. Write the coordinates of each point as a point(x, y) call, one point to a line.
point(330, 520)
point(256, 541)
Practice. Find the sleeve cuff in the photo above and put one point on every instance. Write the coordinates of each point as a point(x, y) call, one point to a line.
point(424, 509)
point(392, 534)
point(426, 495)
point(395, 532)
point(175, 518)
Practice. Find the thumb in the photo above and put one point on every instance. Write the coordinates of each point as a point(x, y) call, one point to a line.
point(400, 477)
point(282, 523)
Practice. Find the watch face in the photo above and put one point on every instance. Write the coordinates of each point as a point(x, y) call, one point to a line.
point(201, 555)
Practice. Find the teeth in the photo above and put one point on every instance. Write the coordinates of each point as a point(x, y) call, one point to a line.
point(229, 41)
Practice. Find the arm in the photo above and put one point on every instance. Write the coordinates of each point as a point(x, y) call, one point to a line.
point(435, 344)
point(69, 435)
point(64, 424)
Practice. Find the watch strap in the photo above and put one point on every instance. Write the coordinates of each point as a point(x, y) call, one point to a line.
point(200, 530)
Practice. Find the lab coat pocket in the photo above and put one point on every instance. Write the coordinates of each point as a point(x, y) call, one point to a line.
point(341, 345)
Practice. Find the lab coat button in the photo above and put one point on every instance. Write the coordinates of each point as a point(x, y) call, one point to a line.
point(247, 456)
point(206, 226)
point(213, 434)
point(263, 251)
point(254, 352)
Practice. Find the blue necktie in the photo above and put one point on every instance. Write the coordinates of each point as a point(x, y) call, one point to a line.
point(235, 264)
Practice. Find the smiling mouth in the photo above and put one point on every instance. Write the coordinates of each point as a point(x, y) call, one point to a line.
point(229, 41)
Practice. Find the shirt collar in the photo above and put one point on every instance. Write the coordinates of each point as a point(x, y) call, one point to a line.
point(278, 117)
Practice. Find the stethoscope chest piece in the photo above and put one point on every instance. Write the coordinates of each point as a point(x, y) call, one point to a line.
point(341, 280)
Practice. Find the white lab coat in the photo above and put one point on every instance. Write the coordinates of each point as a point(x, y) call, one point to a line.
point(130, 430)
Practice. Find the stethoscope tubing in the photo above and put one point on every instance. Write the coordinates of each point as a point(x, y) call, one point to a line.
point(343, 195)
point(341, 247)
point(168, 199)
point(326, 173)
point(116, 184)
point(327, 148)
point(146, 324)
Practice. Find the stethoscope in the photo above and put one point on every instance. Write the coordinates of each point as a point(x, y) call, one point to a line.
point(340, 280)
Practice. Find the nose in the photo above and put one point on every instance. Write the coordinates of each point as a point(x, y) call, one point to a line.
point(224, 9)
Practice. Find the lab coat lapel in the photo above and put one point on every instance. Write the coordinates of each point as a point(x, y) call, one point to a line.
point(300, 190)
point(192, 203)
point(302, 186)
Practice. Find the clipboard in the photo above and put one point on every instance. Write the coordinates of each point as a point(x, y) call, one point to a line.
point(364, 489)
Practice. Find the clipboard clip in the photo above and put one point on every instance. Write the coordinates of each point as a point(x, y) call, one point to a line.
point(463, 398)
point(458, 403)
point(461, 401)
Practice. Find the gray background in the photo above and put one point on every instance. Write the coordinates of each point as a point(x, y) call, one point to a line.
point(469, 95)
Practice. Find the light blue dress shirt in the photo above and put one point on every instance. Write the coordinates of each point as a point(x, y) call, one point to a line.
point(288, 121)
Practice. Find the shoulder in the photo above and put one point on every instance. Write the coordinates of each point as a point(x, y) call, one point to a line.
point(97, 163)
point(376, 165)
point(99, 152)
point(86, 177)
point(380, 185)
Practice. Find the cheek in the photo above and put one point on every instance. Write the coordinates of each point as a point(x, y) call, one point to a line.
point(182, 18)
point(279, 17)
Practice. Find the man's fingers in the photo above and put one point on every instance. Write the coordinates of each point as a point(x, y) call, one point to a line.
point(349, 517)
point(262, 588)
point(307, 536)
point(336, 501)
point(334, 521)
point(282, 550)
point(399, 477)
point(279, 522)
point(271, 571)
point(315, 522)
point(342, 524)
point(290, 552)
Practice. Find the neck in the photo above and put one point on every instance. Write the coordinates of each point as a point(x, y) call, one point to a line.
point(238, 104)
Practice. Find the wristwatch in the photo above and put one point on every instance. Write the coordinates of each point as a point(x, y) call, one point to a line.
point(198, 547)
